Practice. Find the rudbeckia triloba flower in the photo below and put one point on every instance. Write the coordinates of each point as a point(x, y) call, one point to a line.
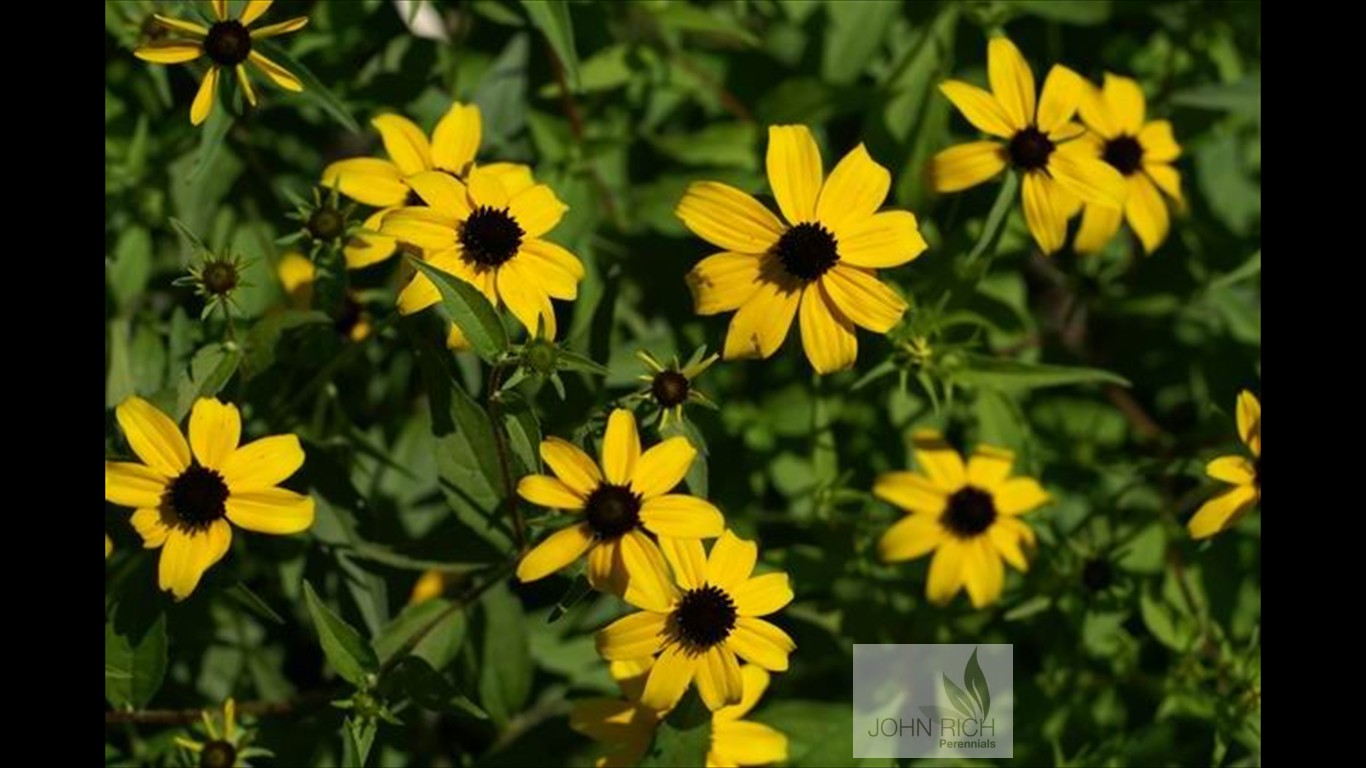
point(1057, 173)
point(818, 267)
point(229, 748)
point(967, 515)
point(297, 275)
point(1142, 151)
point(627, 727)
point(1228, 507)
point(487, 231)
point(696, 622)
point(619, 504)
point(227, 44)
point(671, 387)
point(187, 493)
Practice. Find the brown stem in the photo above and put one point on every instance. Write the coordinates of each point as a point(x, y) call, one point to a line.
point(262, 708)
point(567, 103)
point(727, 99)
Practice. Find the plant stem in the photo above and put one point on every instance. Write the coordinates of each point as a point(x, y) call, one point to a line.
point(504, 464)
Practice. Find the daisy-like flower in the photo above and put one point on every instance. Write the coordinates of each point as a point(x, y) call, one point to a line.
point(627, 728)
point(1143, 152)
point(820, 266)
point(671, 387)
point(969, 516)
point(628, 498)
point(185, 501)
point(1058, 174)
point(698, 621)
point(487, 231)
point(228, 45)
point(228, 748)
point(298, 274)
point(1228, 507)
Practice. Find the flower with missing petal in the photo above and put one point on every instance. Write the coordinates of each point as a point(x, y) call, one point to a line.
point(488, 231)
point(227, 43)
point(969, 516)
point(1140, 150)
point(1228, 507)
point(818, 267)
point(620, 504)
point(627, 727)
point(187, 493)
point(697, 622)
point(1058, 173)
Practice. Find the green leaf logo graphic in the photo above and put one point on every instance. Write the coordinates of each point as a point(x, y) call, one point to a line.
point(960, 700)
point(976, 683)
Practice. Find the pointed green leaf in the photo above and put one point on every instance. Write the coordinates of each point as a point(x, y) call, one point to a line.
point(346, 651)
point(552, 18)
point(976, 682)
point(960, 700)
point(470, 310)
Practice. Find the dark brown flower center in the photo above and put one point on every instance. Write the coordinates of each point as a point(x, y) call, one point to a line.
point(670, 388)
point(490, 236)
point(218, 754)
point(704, 617)
point(1097, 575)
point(198, 495)
point(612, 511)
point(326, 224)
point(1030, 149)
point(228, 43)
point(219, 277)
point(970, 512)
point(807, 251)
point(1125, 154)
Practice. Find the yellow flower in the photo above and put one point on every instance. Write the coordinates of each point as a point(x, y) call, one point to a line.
point(1228, 507)
point(431, 584)
point(297, 275)
point(185, 502)
point(968, 516)
point(228, 749)
point(819, 267)
point(1058, 174)
point(697, 627)
point(620, 503)
point(672, 387)
point(227, 44)
point(487, 230)
point(108, 547)
point(1142, 151)
point(627, 727)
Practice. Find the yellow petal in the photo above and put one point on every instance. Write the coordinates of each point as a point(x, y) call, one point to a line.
point(989, 466)
point(133, 485)
point(557, 551)
point(220, 9)
point(405, 143)
point(180, 25)
point(426, 228)
point(184, 558)
point(1063, 90)
point(1092, 180)
point(263, 463)
point(762, 595)
point(724, 281)
point(910, 537)
point(1146, 212)
point(827, 335)
point(983, 573)
point(1167, 179)
point(620, 447)
point(1222, 512)
point(682, 516)
point(557, 270)
point(1249, 421)
point(520, 290)
point(169, 51)
point(946, 571)
point(1232, 469)
point(204, 97)
point(633, 636)
point(456, 139)
point(912, 492)
point(966, 165)
point(429, 586)
point(855, 190)
point(756, 680)
point(887, 239)
point(1095, 112)
point(549, 492)
point(759, 642)
point(253, 11)
point(1124, 98)
point(571, 465)
point(794, 171)
point(728, 218)
point(1012, 81)
point(1005, 539)
point(979, 107)
point(669, 678)
point(486, 188)
point(419, 294)
point(1158, 142)
point(215, 429)
point(606, 572)
point(537, 210)
point(271, 510)
point(1019, 495)
point(279, 28)
point(369, 246)
point(862, 298)
point(938, 460)
point(663, 467)
point(760, 326)
point(1098, 225)
point(731, 562)
point(1047, 223)
point(688, 560)
point(153, 436)
point(747, 743)
point(719, 683)
point(245, 82)
point(277, 74)
point(367, 180)
point(152, 525)
point(611, 721)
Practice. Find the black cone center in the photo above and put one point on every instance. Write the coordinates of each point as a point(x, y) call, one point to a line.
point(670, 388)
point(704, 617)
point(1030, 149)
point(1124, 153)
point(218, 754)
point(807, 251)
point(612, 511)
point(490, 236)
point(970, 512)
point(326, 224)
point(228, 43)
point(197, 496)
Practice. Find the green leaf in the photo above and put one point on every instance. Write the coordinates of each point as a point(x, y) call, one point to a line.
point(134, 656)
point(360, 737)
point(552, 18)
point(1245, 271)
point(212, 136)
point(346, 651)
point(470, 310)
point(725, 145)
point(853, 37)
point(960, 700)
point(443, 632)
point(242, 595)
point(976, 682)
point(314, 90)
point(576, 592)
point(684, 737)
point(1079, 12)
point(1159, 620)
point(818, 733)
point(209, 371)
point(1030, 607)
point(990, 372)
point(683, 17)
point(1242, 97)
point(504, 655)
point(131, 266)
point(996, 220)
point(264, 337)
point(432, 691)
